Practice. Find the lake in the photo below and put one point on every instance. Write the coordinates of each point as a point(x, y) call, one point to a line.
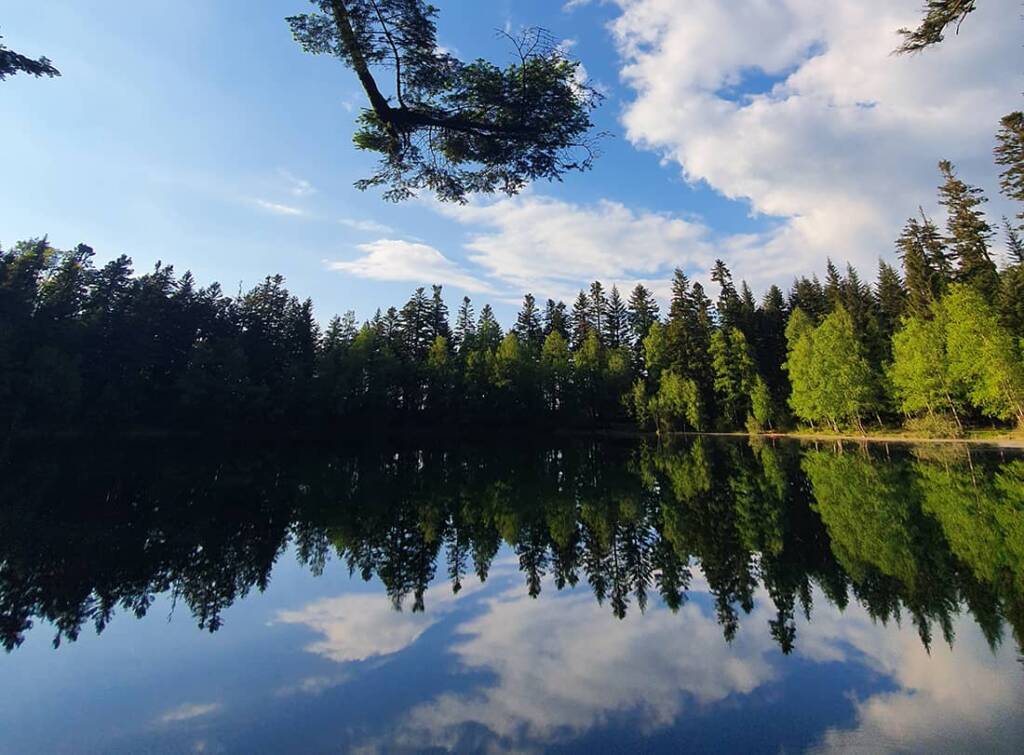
point(547, 594)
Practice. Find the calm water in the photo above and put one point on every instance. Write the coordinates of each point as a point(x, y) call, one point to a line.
point(714, 596)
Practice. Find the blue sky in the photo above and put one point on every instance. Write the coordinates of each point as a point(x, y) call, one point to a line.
point(200, 134)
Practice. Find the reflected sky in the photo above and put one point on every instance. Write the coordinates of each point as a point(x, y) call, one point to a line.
point(326, 664)
point(321, 660)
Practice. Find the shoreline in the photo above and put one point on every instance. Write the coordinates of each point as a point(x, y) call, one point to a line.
point(1000, 442)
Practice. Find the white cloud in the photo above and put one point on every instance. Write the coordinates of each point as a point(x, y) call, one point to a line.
point(551, 247)
point(297, 187)
point(189, 711)
point(845, 145)
point(279, 209)
point(421, 264)
point(366, 226)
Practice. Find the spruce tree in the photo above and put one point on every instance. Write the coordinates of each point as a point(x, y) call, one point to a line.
point(528, 328)
point(616, 324)
point(598, 308)
point(642, 312)
point(808, 295)
point(488, 331)
point(1010, 156)
point(1014, 244)
point(968, 232)
point(465, 327)
point(892, 298)
point(919, 275)
point(728, 300)
point(579, 321)
point(555, 319)
point(439, 316)
point(833, 287)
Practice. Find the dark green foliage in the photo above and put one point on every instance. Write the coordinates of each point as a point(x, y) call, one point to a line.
point(938, 16)
point(96, 530)
point(1010, 157)
point(968, 232)
point(451, 127)
point(12, 63)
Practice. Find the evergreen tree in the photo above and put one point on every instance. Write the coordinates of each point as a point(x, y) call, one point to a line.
point(833, 287)
point(488, 331)
point(439, 316)
point(1014, 244)
point(616, 323)
point(938, 16)
point(808, 295)
point(598, 309)
point(892, 299)
point(580, 320)
point(921, 278)
point(642, 312)
point(465, 327)
point(734, 376)
point(1010, 156)
point(555, 319)
point(528, 328)
point(729, 315)
point(968, 232)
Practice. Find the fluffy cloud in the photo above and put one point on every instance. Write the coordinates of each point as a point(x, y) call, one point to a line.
point(844, 143)
point(405, 261)
point(551, 247)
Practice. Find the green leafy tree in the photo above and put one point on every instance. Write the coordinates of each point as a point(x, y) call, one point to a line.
point(920, 371)
point(983, 355)
point(451, 127)
point(556, 371)
point(735, 376)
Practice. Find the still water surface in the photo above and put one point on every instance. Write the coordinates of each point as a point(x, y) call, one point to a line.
point(571, 596)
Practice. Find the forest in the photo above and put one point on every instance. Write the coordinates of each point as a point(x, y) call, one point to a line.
point(937, 345)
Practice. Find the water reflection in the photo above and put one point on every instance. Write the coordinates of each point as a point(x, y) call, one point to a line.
point(680, 577)
point(919, 533)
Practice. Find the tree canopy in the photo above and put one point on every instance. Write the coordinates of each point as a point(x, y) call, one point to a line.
point(448, 126)
point(939, 15)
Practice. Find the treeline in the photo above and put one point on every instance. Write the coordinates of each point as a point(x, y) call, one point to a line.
point(938, 344)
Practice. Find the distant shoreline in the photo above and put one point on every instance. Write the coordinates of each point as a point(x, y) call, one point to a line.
point(1001, 442)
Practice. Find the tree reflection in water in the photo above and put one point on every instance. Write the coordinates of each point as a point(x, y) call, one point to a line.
point(926, 533)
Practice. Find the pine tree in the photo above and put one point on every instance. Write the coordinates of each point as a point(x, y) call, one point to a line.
point(920, 277)
point(940, 258)
point(1014, 244)
point(488, 331)
point(555, 319)
point(616, 324)
point(465, 328)
point(439, 327)
point(528, 328)
point(417, 326)
point(728, 300)
point(598, 308)
point(1010, 156)
point(642, 313)
point(833, 287)
point(580, 320)
point(808, 295)
point(968, 232)
point(892, 298)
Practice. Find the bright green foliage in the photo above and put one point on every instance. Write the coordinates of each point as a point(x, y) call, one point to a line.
point(735, 374)
point(920, 373)
point(451, 127)
point(762, 407)
point(555, 370)
point(832, 380)
point(983, 355)
point(676, 402)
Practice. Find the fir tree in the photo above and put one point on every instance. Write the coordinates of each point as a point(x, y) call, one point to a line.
point(728, 300)
point(918, 273)
point(968, 232)
point(439, 327)
point(1014, 244)
point(528, 328)
point(465, 327)
point(555, 319)
point(892, 298)
point(1010, 156)
point(616, 324)
point(580, 320)
point(642, 313)
point(598, 308)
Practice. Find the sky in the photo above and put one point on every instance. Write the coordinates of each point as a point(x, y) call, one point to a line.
point(772, 134)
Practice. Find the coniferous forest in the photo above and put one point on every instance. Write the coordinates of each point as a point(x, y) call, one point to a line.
point(935, 344)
